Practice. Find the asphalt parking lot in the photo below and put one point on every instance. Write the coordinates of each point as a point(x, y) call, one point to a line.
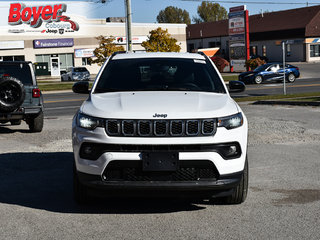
point(283, 200)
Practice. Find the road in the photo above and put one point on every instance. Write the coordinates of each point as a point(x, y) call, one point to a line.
point(63, 103)
point(299, 86)
point(283, 199)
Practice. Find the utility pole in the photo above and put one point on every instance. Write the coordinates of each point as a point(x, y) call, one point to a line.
point(128, 24)
point(284, 66)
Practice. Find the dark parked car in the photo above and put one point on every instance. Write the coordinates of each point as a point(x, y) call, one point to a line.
point(75, 74)
point(20, 97)
point(270, 72)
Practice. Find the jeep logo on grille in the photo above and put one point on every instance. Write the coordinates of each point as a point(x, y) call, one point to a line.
point(156, 115)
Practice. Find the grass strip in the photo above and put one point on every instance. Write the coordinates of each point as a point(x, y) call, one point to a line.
point(58, 86)
point(306, 99)
point(290, 97)
point(227, 78)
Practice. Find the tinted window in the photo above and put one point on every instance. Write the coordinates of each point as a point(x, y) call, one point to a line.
point(80, 69)
point(261, 68)
point(20, 71)
point(156, 74)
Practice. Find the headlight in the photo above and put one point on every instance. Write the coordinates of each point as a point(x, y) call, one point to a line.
point(88, 122)
point(231, 122)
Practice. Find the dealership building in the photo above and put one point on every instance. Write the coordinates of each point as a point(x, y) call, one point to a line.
point(56, 44)
point(299, 28)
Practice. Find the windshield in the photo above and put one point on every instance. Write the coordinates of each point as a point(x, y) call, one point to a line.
point(156, 74)
point(82, 69)
point(261, 68)
point(21, 71)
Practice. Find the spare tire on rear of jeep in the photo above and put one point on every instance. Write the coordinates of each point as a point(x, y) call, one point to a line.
point(12, 94)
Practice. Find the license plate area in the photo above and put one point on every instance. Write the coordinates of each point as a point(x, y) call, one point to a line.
point(160, 161)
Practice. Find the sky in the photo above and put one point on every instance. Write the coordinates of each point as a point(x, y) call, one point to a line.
point(146, 11)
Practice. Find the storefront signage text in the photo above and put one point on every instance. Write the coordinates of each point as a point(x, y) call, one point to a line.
point(53, 43)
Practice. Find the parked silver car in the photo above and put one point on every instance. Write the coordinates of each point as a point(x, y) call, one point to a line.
point(75, 74)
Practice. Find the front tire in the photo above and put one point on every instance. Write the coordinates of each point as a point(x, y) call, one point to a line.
point(258, 79)
point(80, 195)
point(240, 192)
point(291, 78)
point(36, 123)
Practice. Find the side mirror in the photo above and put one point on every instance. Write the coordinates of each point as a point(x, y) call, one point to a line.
point(81, 87)
point(63, 72)
point(236, 86)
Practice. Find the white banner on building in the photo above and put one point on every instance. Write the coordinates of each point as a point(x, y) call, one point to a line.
point(11, 45)
point(84, 53)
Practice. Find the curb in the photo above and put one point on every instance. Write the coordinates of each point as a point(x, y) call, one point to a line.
point(292, 103)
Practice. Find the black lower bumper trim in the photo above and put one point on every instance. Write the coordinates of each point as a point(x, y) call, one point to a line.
point(220, 187)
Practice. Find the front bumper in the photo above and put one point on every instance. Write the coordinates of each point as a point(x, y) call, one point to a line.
point(212, 188)
point(91, 172)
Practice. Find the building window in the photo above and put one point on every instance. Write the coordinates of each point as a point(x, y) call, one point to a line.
point(212, 44)
point(85, 61)
point(66, 60)
point(191, 47)
point(12, 58)
point(314, 51)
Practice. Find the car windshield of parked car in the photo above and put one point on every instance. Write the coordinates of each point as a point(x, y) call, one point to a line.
point(21, 71)
point(261, 68)
point(159, 74)
point(82, 69)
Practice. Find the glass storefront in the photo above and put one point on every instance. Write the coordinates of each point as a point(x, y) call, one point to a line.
point(66, 60)
point(314, 50)
point(12, 58)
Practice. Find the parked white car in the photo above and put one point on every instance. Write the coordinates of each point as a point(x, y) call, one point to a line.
point(162, 123)
point(75, 74)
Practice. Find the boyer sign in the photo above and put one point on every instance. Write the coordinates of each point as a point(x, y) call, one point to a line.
point(35, 16)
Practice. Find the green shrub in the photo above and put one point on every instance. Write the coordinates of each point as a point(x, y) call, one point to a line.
point(254, 63)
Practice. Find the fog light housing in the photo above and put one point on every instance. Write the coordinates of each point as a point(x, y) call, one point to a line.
point(90, 151)
point(87, 150)
point(229, 151)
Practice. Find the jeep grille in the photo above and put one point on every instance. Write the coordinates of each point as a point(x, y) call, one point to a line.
point(161, 128)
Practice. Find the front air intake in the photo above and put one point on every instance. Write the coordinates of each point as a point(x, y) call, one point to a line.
point(161, 128)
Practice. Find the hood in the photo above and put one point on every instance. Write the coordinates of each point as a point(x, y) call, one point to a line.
point(152, 105)
point(246, 73)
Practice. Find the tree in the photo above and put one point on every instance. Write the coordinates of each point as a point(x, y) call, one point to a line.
point(160, 41)
point(173, 15)
point(210, 12)
point(105, 49)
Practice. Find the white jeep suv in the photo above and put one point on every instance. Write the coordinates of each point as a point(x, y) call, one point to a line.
point(160, 123)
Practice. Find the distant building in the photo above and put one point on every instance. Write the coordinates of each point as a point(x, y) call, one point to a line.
point(73, 48)
point(300, 26)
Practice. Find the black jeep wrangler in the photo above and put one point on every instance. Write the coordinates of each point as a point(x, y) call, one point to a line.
point(20, 97)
